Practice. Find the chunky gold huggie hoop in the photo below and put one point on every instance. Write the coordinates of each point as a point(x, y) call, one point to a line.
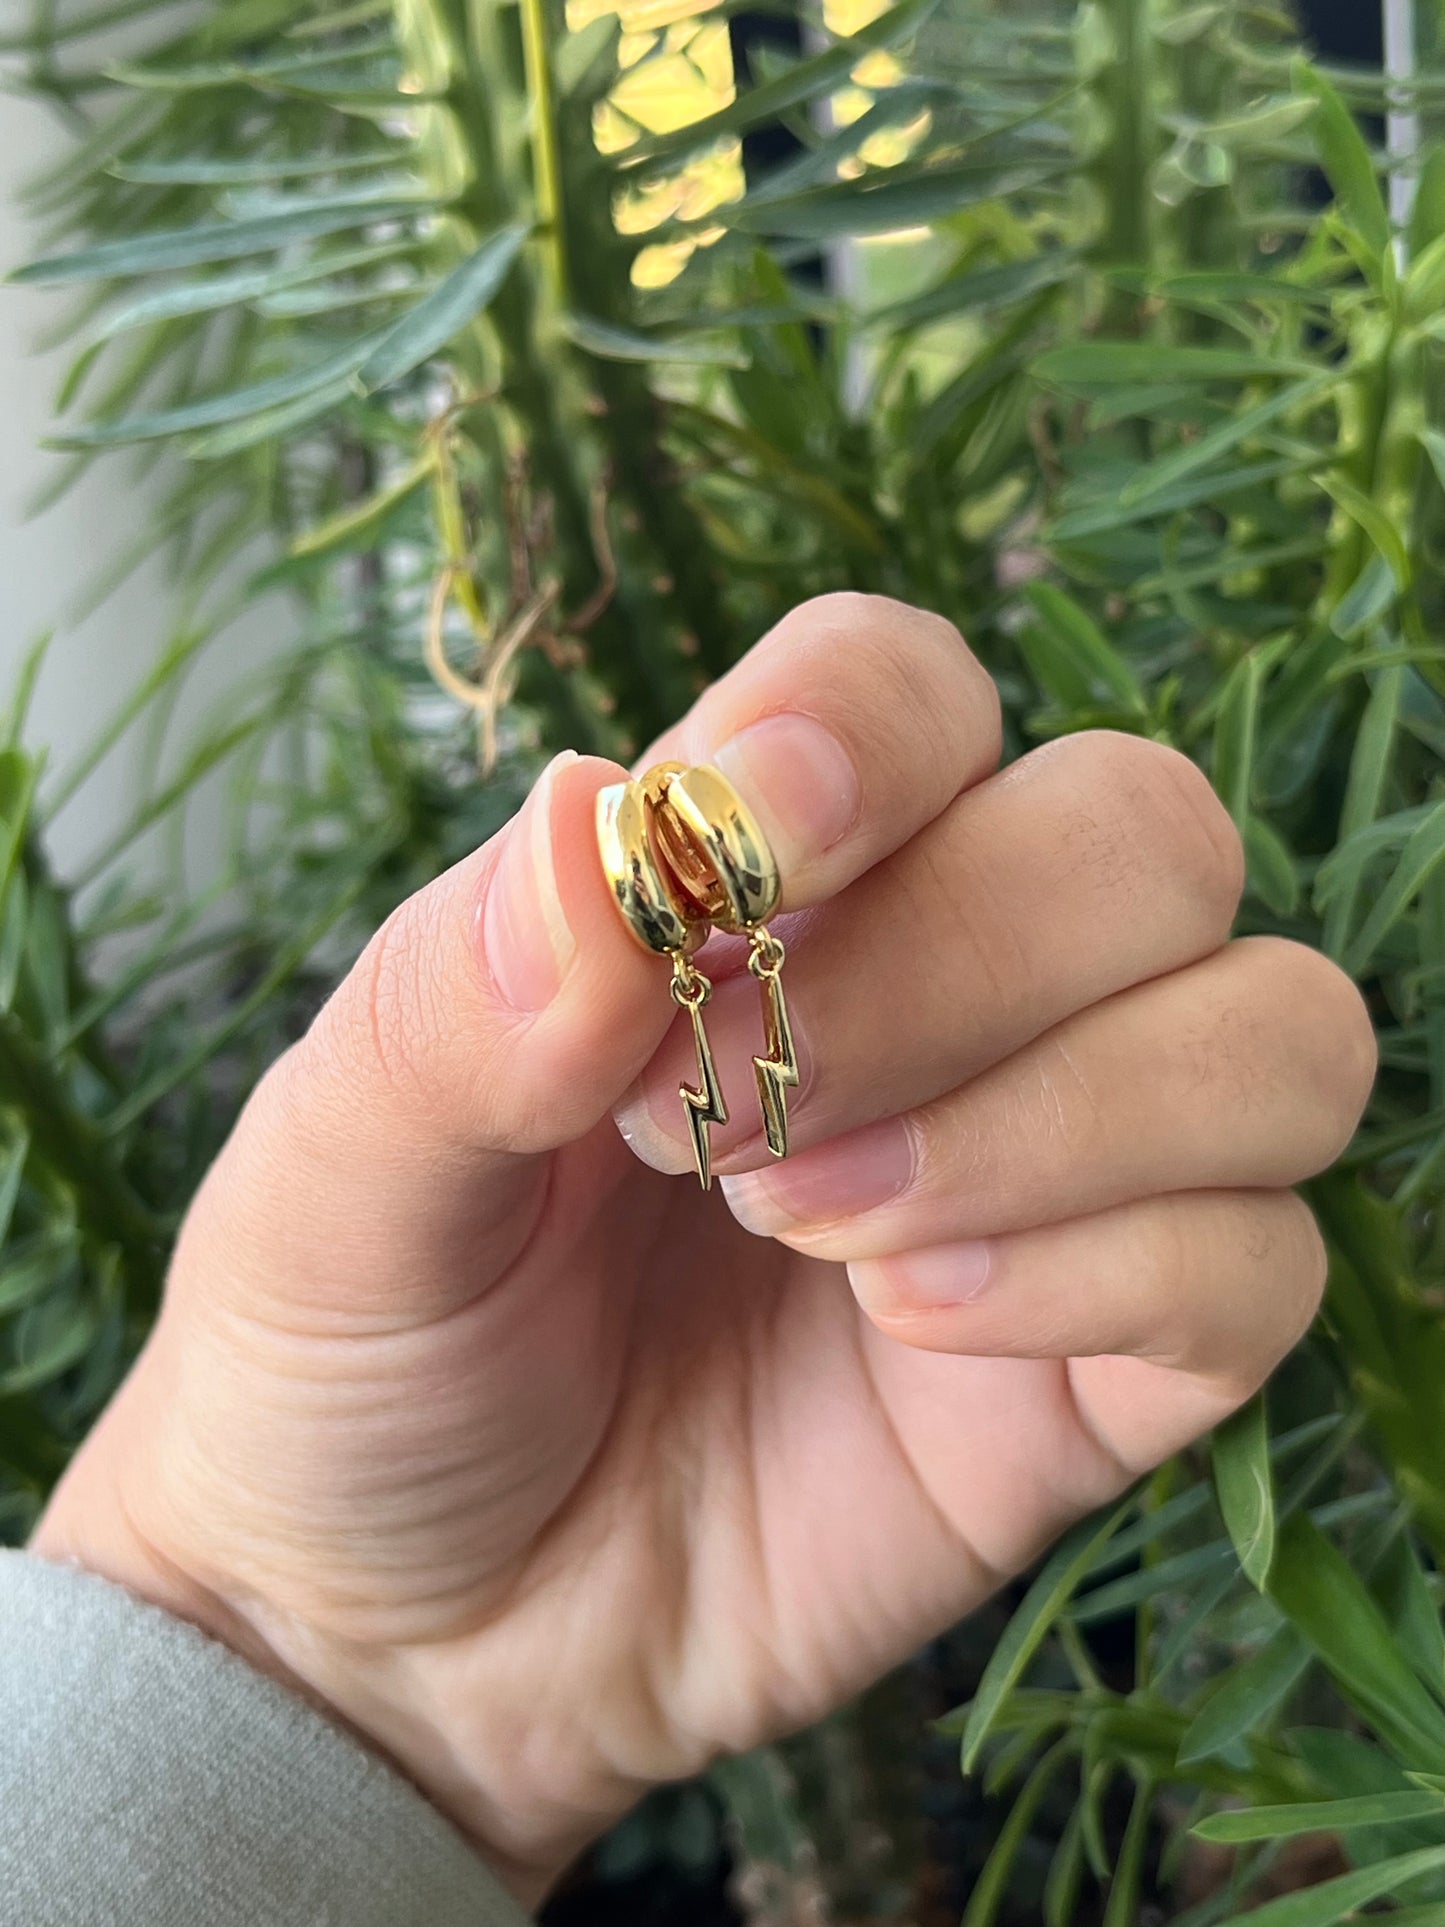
point(683, 852)
point(713, 840)
point(649, 902)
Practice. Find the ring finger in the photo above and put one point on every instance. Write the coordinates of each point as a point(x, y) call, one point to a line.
point(1249, 1068)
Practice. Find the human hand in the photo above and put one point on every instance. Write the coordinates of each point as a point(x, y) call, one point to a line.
point(538, 1469)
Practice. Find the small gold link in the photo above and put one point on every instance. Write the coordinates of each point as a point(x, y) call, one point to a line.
point(766, 953)
point(689, 987)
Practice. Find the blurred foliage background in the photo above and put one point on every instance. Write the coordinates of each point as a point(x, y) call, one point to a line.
point(541, 358)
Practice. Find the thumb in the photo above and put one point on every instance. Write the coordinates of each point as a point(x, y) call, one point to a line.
point(393, 1157)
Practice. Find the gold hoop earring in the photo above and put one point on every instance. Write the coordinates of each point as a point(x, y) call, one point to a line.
point(664, 922)
point(682, 853)
point(713, 842)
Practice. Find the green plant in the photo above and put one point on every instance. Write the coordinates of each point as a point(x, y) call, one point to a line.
point(1163, 433)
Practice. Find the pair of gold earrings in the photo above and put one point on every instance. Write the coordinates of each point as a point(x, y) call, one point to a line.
point(684, 854)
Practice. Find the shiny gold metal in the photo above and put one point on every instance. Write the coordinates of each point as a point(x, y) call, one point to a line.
point(704, 1104)
point(664, 921)
point(778, 1070)
point(640, 889)
point(683, 853)
point(713, 844)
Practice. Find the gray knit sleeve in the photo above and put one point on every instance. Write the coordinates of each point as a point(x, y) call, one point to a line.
point(150, 1778)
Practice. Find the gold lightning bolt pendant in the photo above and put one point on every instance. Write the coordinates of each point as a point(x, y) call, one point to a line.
point(705, 1105)
point(777, 1072)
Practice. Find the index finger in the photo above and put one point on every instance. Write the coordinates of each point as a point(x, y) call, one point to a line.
point(846, 729)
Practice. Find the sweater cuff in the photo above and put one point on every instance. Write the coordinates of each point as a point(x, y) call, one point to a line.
point(150, 1778)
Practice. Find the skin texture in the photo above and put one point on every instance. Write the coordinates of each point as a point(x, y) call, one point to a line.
point(545, 1472)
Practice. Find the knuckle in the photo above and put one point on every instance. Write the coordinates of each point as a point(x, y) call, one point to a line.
point(1284, 1040)
point(1339, 1053)
point(1171, 825)
point(1278, 1237)
point(1071, 1112)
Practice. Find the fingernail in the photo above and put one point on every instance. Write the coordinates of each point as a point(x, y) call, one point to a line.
point(799, 781)
point(524, 932)
point(944, 1275)
point(851, 1175)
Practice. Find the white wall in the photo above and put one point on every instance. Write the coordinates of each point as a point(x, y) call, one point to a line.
point(46, 562)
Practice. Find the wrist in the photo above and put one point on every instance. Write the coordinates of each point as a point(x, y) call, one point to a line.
point(372, 1692)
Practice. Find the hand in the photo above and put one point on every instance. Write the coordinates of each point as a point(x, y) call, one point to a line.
point(539, 1469)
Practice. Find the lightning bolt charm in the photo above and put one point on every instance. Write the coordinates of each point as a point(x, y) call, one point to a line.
point(702, 1107)
point(778, 1071)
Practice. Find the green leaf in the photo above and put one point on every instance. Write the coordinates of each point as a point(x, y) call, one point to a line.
point(360, 520)
point(1422, 855)
point(1110, 364)
point(1188, 459)
point(1404, 1594)
point(1124, 1888)
point(1270, 121)
point(255, 171)
point(1427, 218)
point(1165, 1575)
point(1320, 1816)
point(1273, 871)
point(50, 1337)
point(1196, 490)
point(1434, 445)
point(1066, 1874)
point(974, 292)
point(1346, 161)
point(12, 1170)
point(609, 343)
point(1322, 1906)
point(991, 1887)
point(1236, 732)
point(253, 284)
point(433, 322)
point(1318, 1590)
point(1046, 1598)
point(1244, 1699)
point(329, 376)
point(272, 423)
point(191, 247)
point(879, 202)
point(1377, 525)
point(199, 76)
point(1078, 641)
point(1365, 791)
point(1373, 592)
point(1245, 1487)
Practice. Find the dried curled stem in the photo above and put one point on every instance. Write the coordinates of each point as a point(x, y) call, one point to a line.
point(526, 623)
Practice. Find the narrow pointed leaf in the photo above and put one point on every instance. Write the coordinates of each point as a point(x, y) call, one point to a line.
point(1079, 640)
point(1245, 1487)
point(1335, 1900)
point(433, 322)
point(1318, 1590)
point(190, 247)
point(1110, 364)
point(1167, 470)
point(1046, 1598)
point(1321, 1816)
point(1346, 160)
point(1246, 1697)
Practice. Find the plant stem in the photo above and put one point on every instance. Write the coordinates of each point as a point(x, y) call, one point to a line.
point(546, 166)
